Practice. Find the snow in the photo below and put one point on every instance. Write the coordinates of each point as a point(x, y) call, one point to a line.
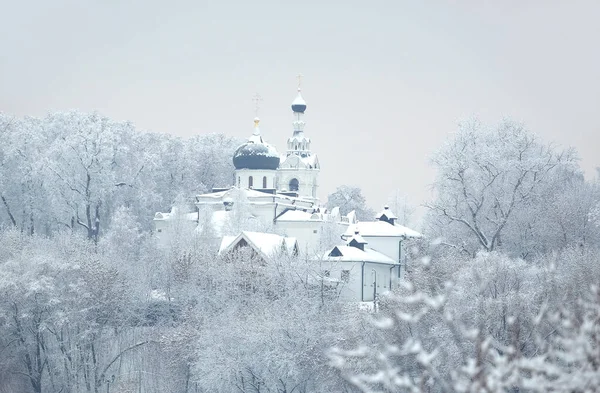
point(352, 217)
point(297, 215)
point(299, 100)
point(359, 239)
point(381, 228)
point(251, 195)
point(218, 220)
point(266, 244)
point(299, 137)
point(386, 212)
point(311, 161)
point(353, 254)
point(258, 148)
point(174, 214)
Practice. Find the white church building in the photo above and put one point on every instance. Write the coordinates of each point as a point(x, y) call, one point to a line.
point(277, 193)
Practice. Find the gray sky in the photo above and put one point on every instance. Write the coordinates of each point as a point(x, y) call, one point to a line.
point(385, 82)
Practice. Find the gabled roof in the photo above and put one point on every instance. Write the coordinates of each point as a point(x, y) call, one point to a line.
point(353, 254)
point(295, 161)
point(380, 229)
point(267, 245)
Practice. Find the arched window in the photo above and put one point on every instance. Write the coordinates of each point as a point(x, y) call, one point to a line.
point(264, 182)
point(294, 185)
point(250, 182)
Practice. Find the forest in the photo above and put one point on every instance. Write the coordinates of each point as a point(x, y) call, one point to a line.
point(501, 295)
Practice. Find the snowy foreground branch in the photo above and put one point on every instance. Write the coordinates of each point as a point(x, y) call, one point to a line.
point(423, 345)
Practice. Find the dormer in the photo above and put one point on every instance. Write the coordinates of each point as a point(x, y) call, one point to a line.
point(357, 241)
point(387, 215)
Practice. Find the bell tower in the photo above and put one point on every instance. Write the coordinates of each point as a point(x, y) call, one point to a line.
point(300, 167)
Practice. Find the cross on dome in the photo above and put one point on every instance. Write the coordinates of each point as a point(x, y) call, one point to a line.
point(299, 77)
point(256, 98)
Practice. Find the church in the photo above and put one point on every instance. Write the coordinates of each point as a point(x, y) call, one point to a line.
point(276, 193)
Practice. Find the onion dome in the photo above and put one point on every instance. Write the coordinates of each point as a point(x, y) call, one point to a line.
point(256, 154)
point(299, 105)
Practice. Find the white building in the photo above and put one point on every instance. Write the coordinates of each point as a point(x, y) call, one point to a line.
point(278, 194)
point(372, 261)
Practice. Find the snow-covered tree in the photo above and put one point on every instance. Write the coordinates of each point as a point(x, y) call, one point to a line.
point(488, 176)
point(349, 198)
point(402, 207)
point(490, 324)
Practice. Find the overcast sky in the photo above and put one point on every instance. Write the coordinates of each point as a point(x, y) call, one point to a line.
point(385, 82)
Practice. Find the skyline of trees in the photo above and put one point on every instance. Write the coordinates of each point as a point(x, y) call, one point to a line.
point(501, 295)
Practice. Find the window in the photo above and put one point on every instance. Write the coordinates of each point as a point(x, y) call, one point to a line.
point(345, 275)
point(264, 182)
point(294, 183)
point(250, 182)
point(239, 181)
point(314, 231)
point(159, 230)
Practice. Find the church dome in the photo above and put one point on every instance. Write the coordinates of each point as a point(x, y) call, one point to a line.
point(299, 105)
point(252, 155)
point(256, 154)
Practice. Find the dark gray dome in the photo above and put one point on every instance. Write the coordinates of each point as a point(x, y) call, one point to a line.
point(252, 155)
point(299, 108)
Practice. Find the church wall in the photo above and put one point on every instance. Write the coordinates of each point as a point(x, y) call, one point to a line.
point(242, 178)
point(307, 181)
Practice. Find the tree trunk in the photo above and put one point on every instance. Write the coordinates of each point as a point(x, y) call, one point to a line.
point(10, 216)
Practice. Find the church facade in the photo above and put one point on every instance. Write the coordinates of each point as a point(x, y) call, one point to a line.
point(279, 191)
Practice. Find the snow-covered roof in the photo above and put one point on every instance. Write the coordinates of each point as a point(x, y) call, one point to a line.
point(298, 137)
point(174, 214)
point(266, 244)
point(299, 100)
point(358, 238)
point(310, 161)
point(354, 254)
point(380, 228)
point(251, 195)
point(294, 160)
point(298, 215)
point(256, 147)
point(386, 212)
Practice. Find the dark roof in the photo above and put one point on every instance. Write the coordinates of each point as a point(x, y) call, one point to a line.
point(256, 156)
